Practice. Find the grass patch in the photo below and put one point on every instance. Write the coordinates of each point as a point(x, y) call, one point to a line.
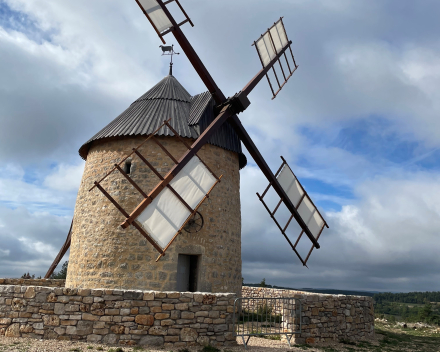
point(209, 348)
point(304, 346)
point(272, 337)
point(364, 344)
point(347, 342)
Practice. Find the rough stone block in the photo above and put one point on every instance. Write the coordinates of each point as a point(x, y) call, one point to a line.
point(157, 330)
point(181, 306)
point(188, 335)
point(148, 296)
point(161, 316)
point(151, 341)
point(133, 295)
point(91, 317)
point(13, 330)
point(167, 322)
point(60, 331)
point(187, 315)
point(84, 327)
point(59, 309)
point(30, 292)
point(144, 319)
point(112, 312)
point(51, 320)
point(71, 330)
point(84, 292)
point(94, 338)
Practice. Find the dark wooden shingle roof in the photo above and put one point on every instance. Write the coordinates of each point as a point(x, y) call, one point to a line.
point(190, 116)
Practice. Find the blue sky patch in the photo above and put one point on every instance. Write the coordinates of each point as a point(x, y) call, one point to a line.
point(21, 22)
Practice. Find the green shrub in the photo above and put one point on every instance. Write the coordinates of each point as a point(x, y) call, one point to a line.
point(209, 348)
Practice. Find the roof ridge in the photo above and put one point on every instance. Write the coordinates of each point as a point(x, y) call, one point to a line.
point(157, 98)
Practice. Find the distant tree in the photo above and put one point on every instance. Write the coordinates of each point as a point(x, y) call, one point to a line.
point(27, 276)
point(426, 312)
point(392, 319)
point(62, 274)
point(263, 283)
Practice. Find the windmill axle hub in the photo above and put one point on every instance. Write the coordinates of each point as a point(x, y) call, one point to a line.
point(239, 103)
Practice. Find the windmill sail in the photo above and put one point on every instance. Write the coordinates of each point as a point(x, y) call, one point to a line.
point(297, 195)
point(166, 214)
point(156, 14)
point(161, 21)
point(269, 45)
point(303, 203)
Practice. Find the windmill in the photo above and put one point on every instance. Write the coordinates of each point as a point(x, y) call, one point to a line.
point(172, 205)
point(271, 47)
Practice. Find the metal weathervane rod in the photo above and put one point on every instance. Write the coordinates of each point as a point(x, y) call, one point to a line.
point(231, 107)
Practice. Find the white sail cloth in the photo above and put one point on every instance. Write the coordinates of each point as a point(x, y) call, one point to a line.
point(156, 14)
point(165, 215)
point(306, 209)
point(266, 48)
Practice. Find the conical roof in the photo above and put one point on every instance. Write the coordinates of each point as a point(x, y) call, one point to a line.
point(168, 99)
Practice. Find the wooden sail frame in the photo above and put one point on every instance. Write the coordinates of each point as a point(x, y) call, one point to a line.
point(269, 34)
point(303, 197)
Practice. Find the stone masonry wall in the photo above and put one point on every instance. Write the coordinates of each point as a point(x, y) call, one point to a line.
point(169, 319)
point(325, 317)
point(103, 255)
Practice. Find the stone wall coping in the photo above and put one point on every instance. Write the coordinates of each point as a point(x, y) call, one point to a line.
point(33, 282)
point(60, 283)
point(114, 292)
point(305, 293)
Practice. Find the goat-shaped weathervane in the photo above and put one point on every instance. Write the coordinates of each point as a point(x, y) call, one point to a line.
point(169, 50)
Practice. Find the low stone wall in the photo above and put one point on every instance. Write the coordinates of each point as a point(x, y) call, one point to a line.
point(34, 282)
point(325, 317)
point(169, 319)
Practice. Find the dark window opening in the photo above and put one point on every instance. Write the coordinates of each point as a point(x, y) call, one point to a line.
point(127, 167)
point(187, 272)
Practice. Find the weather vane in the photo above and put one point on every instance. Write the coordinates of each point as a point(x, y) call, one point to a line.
point(169, 50)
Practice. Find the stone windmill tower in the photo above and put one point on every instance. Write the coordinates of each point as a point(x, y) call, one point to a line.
point(103, 255)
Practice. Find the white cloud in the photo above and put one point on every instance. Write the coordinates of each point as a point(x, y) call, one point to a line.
point(4, 252)
point(65, 178)
point(386, 238)
point(16, 191)
point(29, 241)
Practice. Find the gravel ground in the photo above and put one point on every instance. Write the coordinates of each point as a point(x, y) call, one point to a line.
point(9, 344)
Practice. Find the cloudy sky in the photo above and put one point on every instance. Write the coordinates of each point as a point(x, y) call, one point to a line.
point(358, 123)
